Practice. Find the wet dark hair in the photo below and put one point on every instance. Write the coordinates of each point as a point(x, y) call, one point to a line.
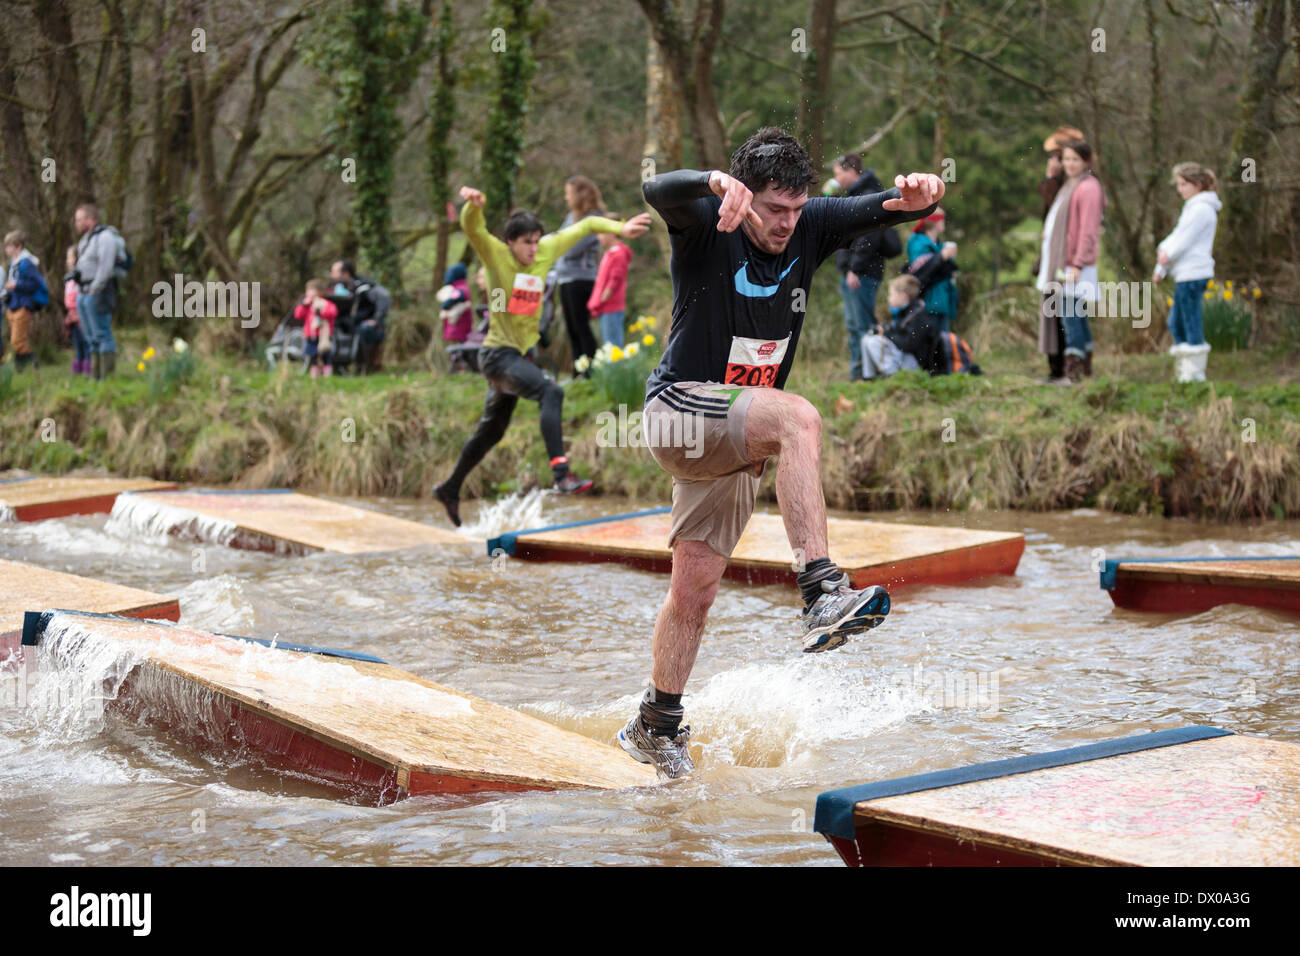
point(1083, 150)
point(772, 157)
point(348, 266)
point(521, 222)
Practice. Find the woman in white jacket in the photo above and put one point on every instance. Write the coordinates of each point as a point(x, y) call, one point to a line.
point(1187, 253)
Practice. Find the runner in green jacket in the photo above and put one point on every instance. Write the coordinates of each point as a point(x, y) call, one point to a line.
point(517, 271)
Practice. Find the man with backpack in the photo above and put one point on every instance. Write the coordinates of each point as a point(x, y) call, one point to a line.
point(25, 293)
point(101, 260)
point(370, 306)
point(862, 261)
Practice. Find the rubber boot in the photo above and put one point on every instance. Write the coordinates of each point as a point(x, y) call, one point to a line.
point(1073, 368)
point(110, 363)
point(1087, 363)
point(97, 366)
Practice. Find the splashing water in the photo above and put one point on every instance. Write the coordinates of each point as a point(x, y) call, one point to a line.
point(135, 515)
point(510, 513)
point(7, 514)
point(218, 604)
point(76, 673)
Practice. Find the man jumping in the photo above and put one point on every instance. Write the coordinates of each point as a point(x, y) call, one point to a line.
point(715, 410)
point(517, 271)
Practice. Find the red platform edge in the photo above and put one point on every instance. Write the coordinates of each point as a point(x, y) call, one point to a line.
point(96, 505)
point(878, 844)
point(1137, 594)
point(244, 730)
point(947, 567)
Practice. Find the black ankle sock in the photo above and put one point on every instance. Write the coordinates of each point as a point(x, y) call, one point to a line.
point(662, 713)
point(812, 576)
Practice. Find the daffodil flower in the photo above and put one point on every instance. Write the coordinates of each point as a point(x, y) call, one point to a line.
point(647, 339)
point(179, 345)
point(148, 353)
point(616, 354)
point(139, 366)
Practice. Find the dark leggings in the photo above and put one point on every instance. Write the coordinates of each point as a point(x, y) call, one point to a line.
point(573, 299)
point(510, 377)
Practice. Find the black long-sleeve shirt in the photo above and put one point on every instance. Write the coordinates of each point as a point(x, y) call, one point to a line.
point(738, 311)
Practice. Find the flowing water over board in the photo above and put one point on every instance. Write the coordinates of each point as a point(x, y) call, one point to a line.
point(958, 674)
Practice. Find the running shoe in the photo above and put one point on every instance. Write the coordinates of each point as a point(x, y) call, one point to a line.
point(669, 755)
point(571, 484)
point(842, 611)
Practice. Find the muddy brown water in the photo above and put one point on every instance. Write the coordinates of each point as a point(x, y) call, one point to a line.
point(997, 668)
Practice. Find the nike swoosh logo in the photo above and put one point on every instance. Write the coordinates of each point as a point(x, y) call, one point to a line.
point(747, 288)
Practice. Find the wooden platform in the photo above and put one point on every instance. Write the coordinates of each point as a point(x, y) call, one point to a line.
point(36, 498)
point(872, 552)
point(352, 721)
point(282, 520)
point(1192, 585)
point(25, 586)
point(1198, 797)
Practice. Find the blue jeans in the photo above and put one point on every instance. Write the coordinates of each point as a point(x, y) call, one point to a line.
point(859, 318)
point(1074, 319)
point(97, 323)
point(611, 328)
point(80, 344)
point(1185, 316)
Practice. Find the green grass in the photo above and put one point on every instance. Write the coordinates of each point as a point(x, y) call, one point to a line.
point(1129, 439)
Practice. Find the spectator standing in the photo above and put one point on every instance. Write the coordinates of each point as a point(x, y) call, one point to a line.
point(80, 344)
point(1068, 275)
point(575, 271)
point(317, 315)
point(25, 293)
point(941, 295)
point(862, 262)
point(609, 294)
point(1187, 255)
point(98, 251)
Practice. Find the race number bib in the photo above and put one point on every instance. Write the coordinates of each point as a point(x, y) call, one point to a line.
point(526, 296)
point(755, 362)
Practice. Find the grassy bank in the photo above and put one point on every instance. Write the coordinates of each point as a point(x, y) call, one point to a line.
point(1129, 440)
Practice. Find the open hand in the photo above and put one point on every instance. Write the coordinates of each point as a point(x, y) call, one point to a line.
point(736, 198)
point(472, 195)
point(636, 226)
point(917, 190)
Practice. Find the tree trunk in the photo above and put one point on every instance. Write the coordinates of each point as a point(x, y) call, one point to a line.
point(942, 63)
point(65, 121)
point(816, 78)
point(663, 127)
point(1246, 211)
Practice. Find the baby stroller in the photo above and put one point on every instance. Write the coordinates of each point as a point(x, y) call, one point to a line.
point(288, 343)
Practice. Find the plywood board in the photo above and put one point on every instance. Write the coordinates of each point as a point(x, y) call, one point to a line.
point(872, 552)
point(24, 587)
point(37, 498)
point(262, 519)
point(427, 737)
point(1225, 801)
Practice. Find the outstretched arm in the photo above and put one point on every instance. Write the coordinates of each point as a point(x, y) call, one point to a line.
point(913, 197)
point(558, 243)
point(475, 226)
point(676, 196)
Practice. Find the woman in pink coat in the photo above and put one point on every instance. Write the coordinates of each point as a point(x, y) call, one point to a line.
point(1068, 275)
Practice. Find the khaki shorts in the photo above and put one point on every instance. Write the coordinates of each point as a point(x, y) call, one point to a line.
point(696, 432)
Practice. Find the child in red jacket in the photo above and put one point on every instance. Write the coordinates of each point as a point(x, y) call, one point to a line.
point(317, 315)
point(609, 295)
